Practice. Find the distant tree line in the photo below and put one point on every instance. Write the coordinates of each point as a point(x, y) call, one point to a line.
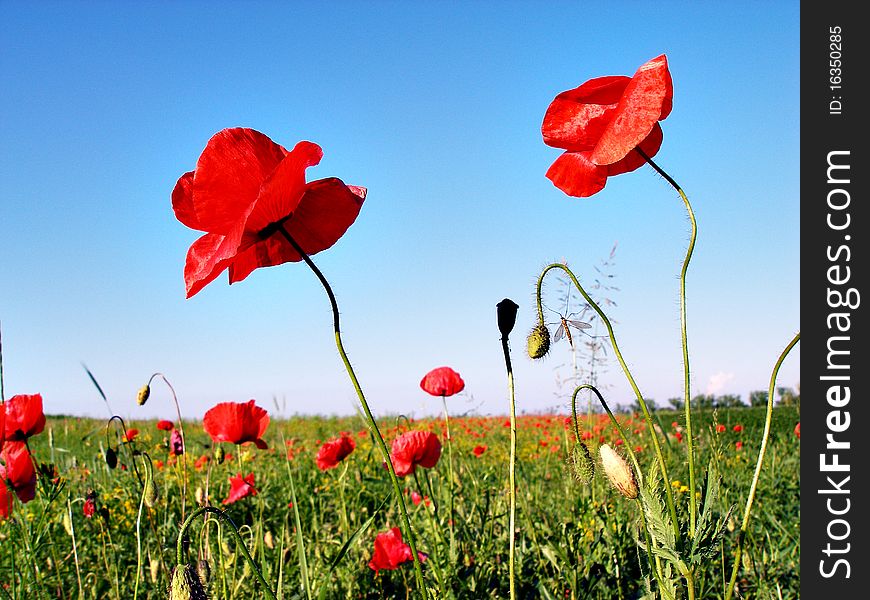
point(786, 396)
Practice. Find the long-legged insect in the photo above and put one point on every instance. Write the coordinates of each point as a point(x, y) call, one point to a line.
point(565, 325)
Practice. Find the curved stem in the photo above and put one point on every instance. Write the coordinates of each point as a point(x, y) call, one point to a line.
point(767, 421)
point(669, 498)
point(179, 547)
point(183, 441)
point(512, 469)
point(379, 439)
point(686, 391)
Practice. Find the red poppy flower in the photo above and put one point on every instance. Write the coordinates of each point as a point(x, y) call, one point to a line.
point(679, 436)
point(90, 505)
point(479, 450)
point(390, 551)
point(720, 428)
point(6, 501)
point(201, 462)
point(600, 123)
point(17, 470)
point(165, 425)
point(738, 446)
point(23, 417)
point(415, 448)
point(442, 381)
point(797, 430)
point(738, 428)
point(237, 423)
point(334, 451)
point(131, 434)
point(243, 187)
point(241, 488)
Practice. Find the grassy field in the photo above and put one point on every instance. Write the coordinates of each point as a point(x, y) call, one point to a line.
point(90, 532)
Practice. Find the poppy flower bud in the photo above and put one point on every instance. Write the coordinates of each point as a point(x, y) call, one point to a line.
point(67, 523)
point(153, 568)
point(506, 312)
point(219, 455)
point(142, 396)
point(186, 584)
point(538, 342)
point(204, 571)
point(618, 472)
point(581, 464)
point(269, 540)
point(111, 458)
point(151, 493)
point(199, 496)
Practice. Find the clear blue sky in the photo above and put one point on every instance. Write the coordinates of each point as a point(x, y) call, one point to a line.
point(435, 108)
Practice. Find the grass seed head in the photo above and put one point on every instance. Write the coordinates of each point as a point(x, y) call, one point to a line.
point(538, 342)
point(618, 472)
point(581, 464)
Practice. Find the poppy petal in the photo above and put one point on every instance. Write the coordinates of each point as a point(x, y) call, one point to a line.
point(182, 201)
point(576, 175)
point(577, 118)
point(647, 99)
point(207, 258)
point(283, 189)
point(327, 209)
point(229, 174)
point(633, 160)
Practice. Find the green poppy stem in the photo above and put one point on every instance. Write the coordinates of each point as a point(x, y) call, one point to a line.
point(379, 439)
point(690, 441)
point(640, 399)
point(179, 547)
point(767, 421)
point(512, 469)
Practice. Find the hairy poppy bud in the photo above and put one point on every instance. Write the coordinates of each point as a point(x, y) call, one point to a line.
point(506, 312)
point(538, 342)
point(151, 493)
point(204, 571)
point(219, 455)
point(580, 463)
point(142, 396)
point(153, 567)
point(186, 584)
point(67, 523)
point(199, 496)
point(618, 472)
point(111, 458)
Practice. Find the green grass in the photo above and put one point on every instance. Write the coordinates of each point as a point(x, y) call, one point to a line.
point(573, 541)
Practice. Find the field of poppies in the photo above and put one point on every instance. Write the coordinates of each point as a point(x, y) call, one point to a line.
point(693, 504)
point(313, 506)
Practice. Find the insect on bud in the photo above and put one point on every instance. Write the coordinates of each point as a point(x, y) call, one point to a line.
point(538, 342)
point(142, 396)
point(618, 472)
point(580, 463)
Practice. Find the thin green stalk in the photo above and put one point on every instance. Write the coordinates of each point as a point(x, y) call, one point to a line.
point(767, 421)
point(183, 441)
point(684, 338)
point(646, 414)
point(72, 529)
point(512, 469)
point(397, 488)
point(450, 472)
point(179, 547)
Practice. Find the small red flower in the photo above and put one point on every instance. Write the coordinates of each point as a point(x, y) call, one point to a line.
point(23, 417)
point(131, 434)
point(442, 381)
point(17, 470)
point(416, 498)
point(720, 428)
point(237, 423)
point(675, 424)
point(415, 448)
point(738, 445)
point(738, 428)
point(90, 505)
point(797, 430)
point(479, 450)
point(334, 451)
point(600, 123)
point(390, 551)
point(165, 425)
point(241, 488)
point(679, 436)
point(201, 462)
point(243, 187)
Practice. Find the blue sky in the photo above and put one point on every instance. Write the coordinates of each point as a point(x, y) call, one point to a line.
point(435, 108)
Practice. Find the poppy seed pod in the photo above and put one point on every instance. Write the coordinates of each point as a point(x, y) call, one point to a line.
point(142, 396)
point(618, 472)
point(506, 312)
point(538, 342)
point(111, 458)
point(580, 463)
point(186, 585)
